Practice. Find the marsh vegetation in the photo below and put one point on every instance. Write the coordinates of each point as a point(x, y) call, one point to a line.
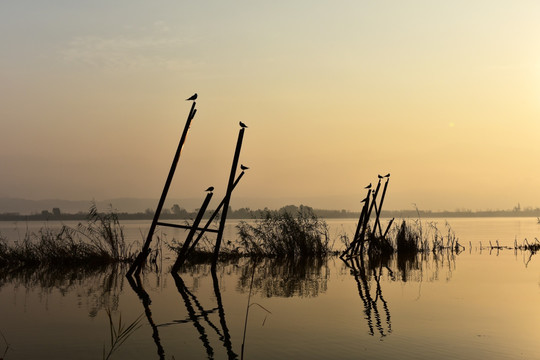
point(289, 233)
point(98, 242)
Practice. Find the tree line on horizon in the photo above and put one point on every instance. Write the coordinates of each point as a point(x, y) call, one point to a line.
point(178, 213)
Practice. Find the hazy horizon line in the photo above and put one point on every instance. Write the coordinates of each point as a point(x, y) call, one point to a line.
point(17, 204)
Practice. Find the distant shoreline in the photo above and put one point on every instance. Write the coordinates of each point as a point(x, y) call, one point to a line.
point(245, 213)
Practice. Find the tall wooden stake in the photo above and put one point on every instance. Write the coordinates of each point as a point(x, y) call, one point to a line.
point(379, 208)
point(388, 227)
point(355, 239)
point(141, 258)
point(227, 198)
point(366, 221)
point(201, 233)
point(183, 252)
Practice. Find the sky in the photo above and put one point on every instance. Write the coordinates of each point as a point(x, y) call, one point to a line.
point(444, 95)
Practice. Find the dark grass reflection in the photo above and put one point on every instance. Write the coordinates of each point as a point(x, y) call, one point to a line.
point(306, 277)
point(137, 287)
point(98, 288)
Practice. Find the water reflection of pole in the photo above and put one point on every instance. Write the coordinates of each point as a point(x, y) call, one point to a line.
point(371, 310)
point(136, 285)
point(191, 312)
point(380, 296)
point(204, 313)
point(367, 304)
point(376, 310)
point(226, 336)
point(247, 313)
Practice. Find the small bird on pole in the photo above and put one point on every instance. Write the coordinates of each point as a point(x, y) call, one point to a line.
point(380, 176)
point(211, 188)
point(243, 167)
point(387, 175)
point(192, 97)
point(368, 187)
point(243, 125)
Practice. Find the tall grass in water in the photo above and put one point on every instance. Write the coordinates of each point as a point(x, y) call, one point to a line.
point(7, 346)
point(105, 234)
point(100, 241)
point(288, 233)
point(408, 239)
point(411, 238)
point(120, 333)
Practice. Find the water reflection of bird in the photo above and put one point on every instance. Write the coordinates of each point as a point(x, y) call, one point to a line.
point(387, 175)
point(211, 188)
point(193, 97)
point(243, 167)
point(368, 187)
point(243, 125)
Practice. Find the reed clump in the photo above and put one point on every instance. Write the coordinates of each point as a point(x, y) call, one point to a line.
point(378, 246)
point(411, 238)
point(100, 241)
point(532, 247)
point(289, 233)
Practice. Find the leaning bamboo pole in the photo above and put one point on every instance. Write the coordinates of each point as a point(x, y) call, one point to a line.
point(227, 198)
point(212, 217)
point(183, 252)
point(137, 264)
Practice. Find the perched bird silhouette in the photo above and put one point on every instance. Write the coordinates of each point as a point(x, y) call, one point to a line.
point(380, 176)
point(243, 125)
point(193, 97)
point(211, 188)
point(243, 167)
point(368, 187)
point(387, 175)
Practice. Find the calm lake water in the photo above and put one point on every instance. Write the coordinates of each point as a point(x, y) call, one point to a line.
point(477, 304)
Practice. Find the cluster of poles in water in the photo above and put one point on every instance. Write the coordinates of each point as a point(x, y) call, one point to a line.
point(352, 256)
point(372, 205)
point(191, 241)
point(195, 234)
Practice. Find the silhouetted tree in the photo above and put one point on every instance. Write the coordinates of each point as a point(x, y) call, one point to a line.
point(179, 212)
